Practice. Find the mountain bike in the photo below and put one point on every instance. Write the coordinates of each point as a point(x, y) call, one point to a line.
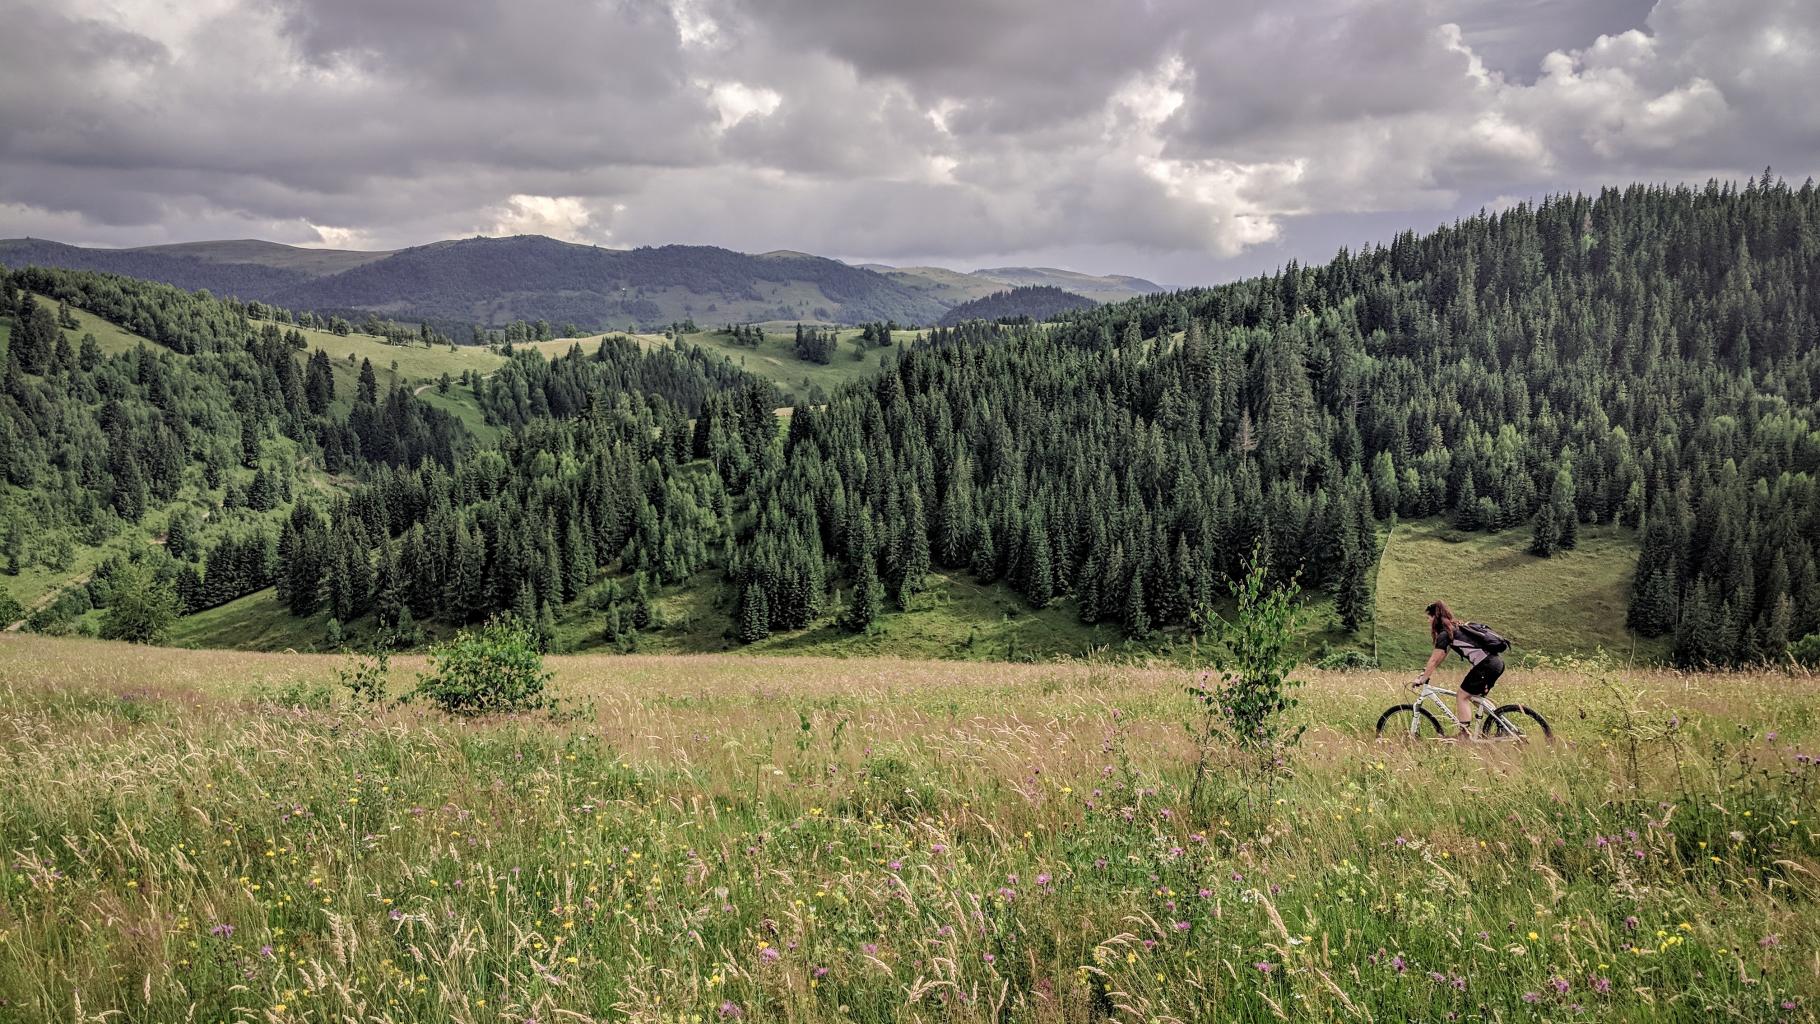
point(1516, 723)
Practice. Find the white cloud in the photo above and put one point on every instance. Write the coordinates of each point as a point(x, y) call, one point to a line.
point(564, 217)
point(737, 101)
point(1200, 132)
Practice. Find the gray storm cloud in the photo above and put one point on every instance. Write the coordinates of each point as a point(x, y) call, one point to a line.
point(1181, 139)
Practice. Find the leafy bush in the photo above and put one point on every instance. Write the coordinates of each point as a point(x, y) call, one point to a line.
point(1805, 652)
point(497, 668)
point(10, 610)
point(141, 608)
point(364, 677)
point(1248, 705)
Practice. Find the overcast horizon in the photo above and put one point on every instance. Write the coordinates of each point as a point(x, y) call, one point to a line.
point(1180, 141)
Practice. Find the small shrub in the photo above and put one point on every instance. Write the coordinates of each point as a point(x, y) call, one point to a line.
point(295, 695)
point(495, 668)
point(1248, 705)
point(365, 676)
point(1346, 660)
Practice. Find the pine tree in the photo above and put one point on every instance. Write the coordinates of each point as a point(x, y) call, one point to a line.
point(754, 614)
point(1546, 537)
point(1137, 611)
point(868, 601)
point(914, 559)
point(1466, 514)
point(465, 595)
point(1352, 594)
point(367, 390)
point(1038, 574)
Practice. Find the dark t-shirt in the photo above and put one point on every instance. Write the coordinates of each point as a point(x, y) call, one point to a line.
point(1450, 639)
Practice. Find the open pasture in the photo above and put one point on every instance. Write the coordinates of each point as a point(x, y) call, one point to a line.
point(223, 836)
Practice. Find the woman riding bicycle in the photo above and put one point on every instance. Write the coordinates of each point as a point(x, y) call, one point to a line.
point(1444, 627)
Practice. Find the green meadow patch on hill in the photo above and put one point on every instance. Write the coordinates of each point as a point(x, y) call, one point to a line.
point(1572, 603)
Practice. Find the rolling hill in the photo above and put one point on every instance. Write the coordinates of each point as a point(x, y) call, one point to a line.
point(458, 283)
point(956, 286)
point(1108, 288)
point(1033, 303)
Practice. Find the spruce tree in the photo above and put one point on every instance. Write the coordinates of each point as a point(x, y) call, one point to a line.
point(1137, 611)
point(914, 559)
point(754, 614)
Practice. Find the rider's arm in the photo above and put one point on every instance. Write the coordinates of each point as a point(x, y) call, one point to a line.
point(1434, 662)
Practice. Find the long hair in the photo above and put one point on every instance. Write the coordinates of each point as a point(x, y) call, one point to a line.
point(1440, 620)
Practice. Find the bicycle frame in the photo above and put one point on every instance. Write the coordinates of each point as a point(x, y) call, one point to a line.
point(1487, 711)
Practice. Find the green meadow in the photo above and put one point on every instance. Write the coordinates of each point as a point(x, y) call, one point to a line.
point(220, 836)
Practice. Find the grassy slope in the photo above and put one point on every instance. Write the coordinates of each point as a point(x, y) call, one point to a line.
point(775, 360)
point(1025, 833)
point(416, 363)
point(1573, 603)
point(256, 622)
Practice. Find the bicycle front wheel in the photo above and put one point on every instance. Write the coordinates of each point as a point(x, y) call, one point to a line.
point(1518, 722)
point(1408, 722)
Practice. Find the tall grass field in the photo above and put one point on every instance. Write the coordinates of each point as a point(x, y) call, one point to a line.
point(220, 836)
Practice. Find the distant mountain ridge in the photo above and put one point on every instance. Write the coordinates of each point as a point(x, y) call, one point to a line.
point(493, 281)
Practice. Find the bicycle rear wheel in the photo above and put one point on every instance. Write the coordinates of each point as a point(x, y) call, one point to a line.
point(1525, 724)
point(1408, 722)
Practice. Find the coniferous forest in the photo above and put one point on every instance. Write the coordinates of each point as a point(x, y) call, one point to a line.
point(1646, 357)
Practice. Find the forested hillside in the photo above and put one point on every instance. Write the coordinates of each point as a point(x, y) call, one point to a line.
point(1647, 357)
point(222, 432)
point(1032, 304)
point(1643, 362)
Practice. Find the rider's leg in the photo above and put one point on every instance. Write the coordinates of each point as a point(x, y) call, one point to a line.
point(1462, 709)
point(1476, 684)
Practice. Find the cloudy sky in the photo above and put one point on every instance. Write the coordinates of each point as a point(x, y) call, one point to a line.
point(1183, 140)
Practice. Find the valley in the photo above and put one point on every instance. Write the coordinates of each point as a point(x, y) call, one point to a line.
point(650, 492)
point(710, 512)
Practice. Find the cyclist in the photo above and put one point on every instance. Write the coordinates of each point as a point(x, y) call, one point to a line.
point(1444, 626)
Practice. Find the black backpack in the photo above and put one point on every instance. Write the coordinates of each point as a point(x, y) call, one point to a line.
point(1479, 635)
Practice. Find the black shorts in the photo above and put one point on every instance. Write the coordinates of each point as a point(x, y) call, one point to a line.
point(1483, 676)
